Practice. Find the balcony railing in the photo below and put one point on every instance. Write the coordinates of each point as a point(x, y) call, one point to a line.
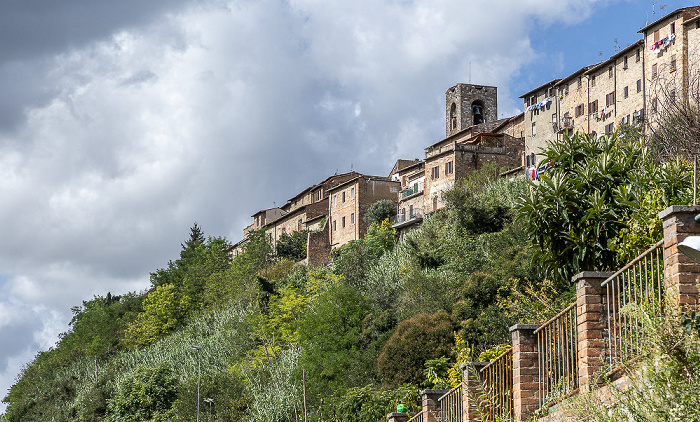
point(497, 378)
point(557, 344)
point(410, 191)
point(642, 282)
point(406, 217)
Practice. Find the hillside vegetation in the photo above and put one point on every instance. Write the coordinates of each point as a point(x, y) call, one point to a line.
point(351, 340)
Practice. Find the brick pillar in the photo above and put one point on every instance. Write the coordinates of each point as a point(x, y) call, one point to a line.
point(525, 371)
point(682, 273)
point(397, 417)
point(430, 405)
point(471, 381)
point(591, 321)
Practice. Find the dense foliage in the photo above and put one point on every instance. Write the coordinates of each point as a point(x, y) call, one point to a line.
point(349, 341)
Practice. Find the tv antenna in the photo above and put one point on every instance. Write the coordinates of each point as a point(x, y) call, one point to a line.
point(600, 54)
point(662, 9)
point(617, 47)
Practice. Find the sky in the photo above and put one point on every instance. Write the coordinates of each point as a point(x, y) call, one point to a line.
point(124, 123)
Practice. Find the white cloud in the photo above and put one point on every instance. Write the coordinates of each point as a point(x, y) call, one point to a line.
point(210, 113)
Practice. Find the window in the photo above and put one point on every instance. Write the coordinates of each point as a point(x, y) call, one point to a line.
point(352, 218)
point(403, 214)
point(639, 85)
point(394, 189)
point(435, 173)
point(626, 92)
point(403, 181)
point(299, 223)
point(654, 71)
point(673, 27)
point(580, 82)
point(653, 104)
point(697, 25)
point(656, 36)
point(334, 198)
point(534, 130)
point(673, 63)
point(580, 109)
point(593, 107)
point(609, 129)
point(592, 80)
point(610, 99)
point(342, 222)
point(334, 227)
point(624, 63)
point(610, 71)
point(343, 195)
point(448, 168)
point(434, 203)
point(410, 211)
point(352, 193)
point(638, 55)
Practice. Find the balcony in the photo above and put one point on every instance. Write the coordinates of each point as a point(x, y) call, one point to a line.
point(567, 124)
point(410, 191)
point(405, 219)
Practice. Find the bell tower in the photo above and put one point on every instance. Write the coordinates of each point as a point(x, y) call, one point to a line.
point(468, 105)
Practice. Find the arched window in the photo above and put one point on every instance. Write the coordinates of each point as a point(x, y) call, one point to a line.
point(477, 112)
point(453, 116)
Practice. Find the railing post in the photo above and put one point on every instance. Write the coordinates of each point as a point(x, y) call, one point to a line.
point(591, 322)
point(682, 274)
point(430, 405)
point(471, 387)
point(525, 371)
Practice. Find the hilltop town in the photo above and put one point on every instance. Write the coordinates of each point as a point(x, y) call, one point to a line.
point(625, 89)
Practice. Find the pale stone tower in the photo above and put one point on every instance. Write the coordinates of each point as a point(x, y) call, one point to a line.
point(467, 105)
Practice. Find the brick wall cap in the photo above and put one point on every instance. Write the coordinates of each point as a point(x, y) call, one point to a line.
point(591, 274)
point(518, 327)
point(674, 209)
point(441, 392)
point(477, 365)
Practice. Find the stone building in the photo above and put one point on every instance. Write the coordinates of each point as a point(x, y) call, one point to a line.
point(410, 198)
point(469, 105)
point(540, 119)
point(349, 202)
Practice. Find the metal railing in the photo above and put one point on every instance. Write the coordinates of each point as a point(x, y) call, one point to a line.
point(403, 217)
point(642, 282)
point(410, 191)
point(557, 346)
point(418, 418)
point(497, 378)
point(451, 405)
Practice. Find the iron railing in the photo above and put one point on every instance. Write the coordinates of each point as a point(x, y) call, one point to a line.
point(641, 282)
point(557, 346)
point(451, 405)
point(497, 378)
point(418, 418)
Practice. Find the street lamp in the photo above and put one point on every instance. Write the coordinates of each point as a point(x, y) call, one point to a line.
point(210, 401)
point(199, 375)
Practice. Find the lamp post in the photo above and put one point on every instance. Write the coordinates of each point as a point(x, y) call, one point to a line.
point(199, 375)
point(210, 401)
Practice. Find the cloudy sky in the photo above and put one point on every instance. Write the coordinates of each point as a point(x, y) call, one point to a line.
point(124, 122)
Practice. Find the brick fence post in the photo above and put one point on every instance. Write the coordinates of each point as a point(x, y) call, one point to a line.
point(525, 371)
point(471, 390)
point(430, 404)
point(397, 417)
point(682, 273)
point(591, 322)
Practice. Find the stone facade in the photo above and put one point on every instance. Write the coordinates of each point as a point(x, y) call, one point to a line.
point(540, 119)
point(349, 203)
point(468, 105)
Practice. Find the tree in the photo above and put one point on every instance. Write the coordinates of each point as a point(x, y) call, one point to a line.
point(292, 245)
point(163, 310)
point(674, 115)
point(147, 394)
point(575, 213)
point(380, 211)
point(415, 341)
